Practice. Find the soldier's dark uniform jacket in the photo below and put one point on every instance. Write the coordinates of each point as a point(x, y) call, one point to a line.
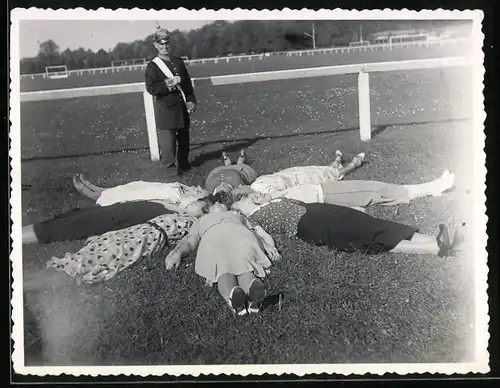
point(170, 109)
point(172, 117)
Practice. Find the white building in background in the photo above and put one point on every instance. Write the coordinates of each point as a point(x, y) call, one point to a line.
point(399, 36)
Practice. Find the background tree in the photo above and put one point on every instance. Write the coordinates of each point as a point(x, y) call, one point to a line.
point(222, 38)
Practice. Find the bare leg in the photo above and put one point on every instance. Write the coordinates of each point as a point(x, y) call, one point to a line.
point(337, 162)
point(354, 164)
point(225, 159)
point(419, 238)
point(242, 159)
point(232, 293)
point(245, 279)
point(434, 188)
point(424, 244)
point(226, 283)
point(412, 248)
point(29, 235)
point(91, 186)
point(87, 190)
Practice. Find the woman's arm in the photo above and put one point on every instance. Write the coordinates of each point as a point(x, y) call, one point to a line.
point(266, 237)
point(184, 248)
point(169, 205)
point(268, 241)
point(242, 191)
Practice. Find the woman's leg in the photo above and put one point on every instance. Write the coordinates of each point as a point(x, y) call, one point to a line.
point(434, 188)
point(232, 293)
point(337, 162)
point(29, 235)
point(83, 223)
point(86, 188)
point(91, 186)
point(421, 244)
point(254, 288)
point(247, 173)
point(354, 164)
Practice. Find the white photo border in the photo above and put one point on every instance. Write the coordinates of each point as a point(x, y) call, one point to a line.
point(481, 363)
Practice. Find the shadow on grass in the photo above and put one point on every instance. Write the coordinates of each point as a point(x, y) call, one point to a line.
point(273, 300)
point(242, 142)
point(212, 155)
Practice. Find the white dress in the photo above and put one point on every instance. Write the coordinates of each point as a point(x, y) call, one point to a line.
point(226, 245)
point(177, 193)
point(295, 176)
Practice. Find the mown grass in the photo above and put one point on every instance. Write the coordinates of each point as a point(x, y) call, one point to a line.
point(336, 307)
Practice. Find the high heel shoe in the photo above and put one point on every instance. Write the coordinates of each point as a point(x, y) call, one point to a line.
point(443, 240)
point(256, 295)
point(242, 158)
point(225, 159)
point(238, 301)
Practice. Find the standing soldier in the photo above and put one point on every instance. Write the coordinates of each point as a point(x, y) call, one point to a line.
point(168, 80)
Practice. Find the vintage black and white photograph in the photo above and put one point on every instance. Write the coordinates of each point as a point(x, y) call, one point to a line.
point(248, 192)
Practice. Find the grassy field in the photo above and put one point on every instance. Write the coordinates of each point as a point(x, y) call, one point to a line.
point(336, 307)
point(248, 66)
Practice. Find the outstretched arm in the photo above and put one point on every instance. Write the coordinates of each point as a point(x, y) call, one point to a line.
point(267, 241)
point(169, 205)
point(266, 237)
point(184, 248)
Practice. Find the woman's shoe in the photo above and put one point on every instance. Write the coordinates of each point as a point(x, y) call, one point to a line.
point(359, 159)
point(337, 162)
point(242, 159)
point(225, 159)
point(443, 240)
point(238, 301)
point(256, 295)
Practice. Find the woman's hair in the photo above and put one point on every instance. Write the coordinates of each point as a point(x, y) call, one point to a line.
point(221, 197)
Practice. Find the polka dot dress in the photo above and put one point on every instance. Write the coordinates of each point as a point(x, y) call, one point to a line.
point(104, 256)
point(279, 216)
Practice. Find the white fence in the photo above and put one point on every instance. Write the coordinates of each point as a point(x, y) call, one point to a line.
point(240, 58)
point(363, 71)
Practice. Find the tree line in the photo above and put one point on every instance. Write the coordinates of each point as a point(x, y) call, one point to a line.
point(222, 38)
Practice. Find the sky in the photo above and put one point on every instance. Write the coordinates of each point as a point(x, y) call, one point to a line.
point(91, 34)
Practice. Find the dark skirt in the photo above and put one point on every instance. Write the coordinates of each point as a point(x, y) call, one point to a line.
point(83, 223)
point(347, 229)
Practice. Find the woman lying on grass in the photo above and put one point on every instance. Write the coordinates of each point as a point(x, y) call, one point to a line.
point(229, 174)
point(103, 257)
point(306, 185)
point(357, 194)
point(231, 252)
point(345, 228)
point(80, 224)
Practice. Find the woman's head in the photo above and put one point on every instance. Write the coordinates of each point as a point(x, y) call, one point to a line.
point(249, 204)
point(218, 207)
point(198, 208)
point(223, 188)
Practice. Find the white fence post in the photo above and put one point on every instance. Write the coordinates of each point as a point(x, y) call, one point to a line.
point(365, 126)
point(151, 125)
